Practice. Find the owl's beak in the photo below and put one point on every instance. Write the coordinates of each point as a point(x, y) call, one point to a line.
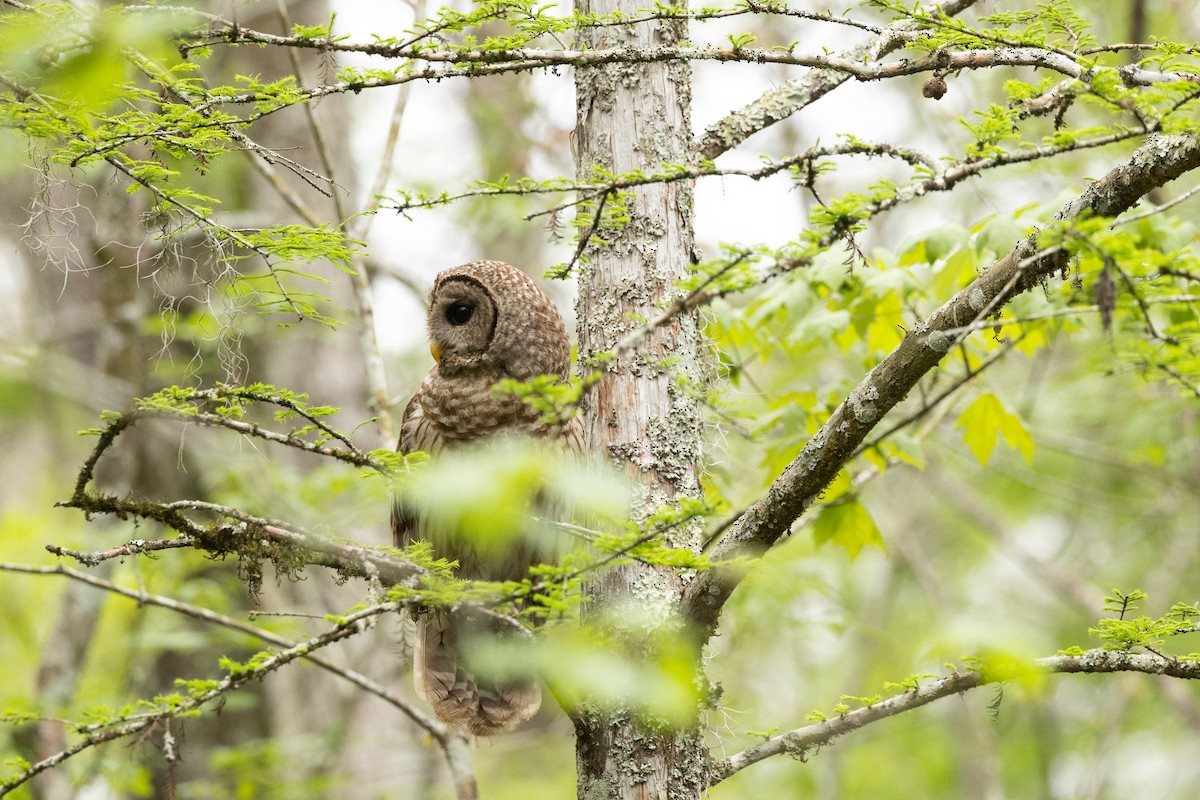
point(435, 350)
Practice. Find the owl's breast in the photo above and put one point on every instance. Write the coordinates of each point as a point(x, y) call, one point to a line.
point(465, 407)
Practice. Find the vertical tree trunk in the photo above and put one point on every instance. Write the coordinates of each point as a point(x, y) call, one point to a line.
point(641, 412)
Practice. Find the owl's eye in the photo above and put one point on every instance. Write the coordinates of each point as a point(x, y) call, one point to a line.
point(459, 313)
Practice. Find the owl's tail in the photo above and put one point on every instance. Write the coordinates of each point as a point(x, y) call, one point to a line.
point(468, 703)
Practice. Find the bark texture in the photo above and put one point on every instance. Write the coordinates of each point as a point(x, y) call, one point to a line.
point(641, 414)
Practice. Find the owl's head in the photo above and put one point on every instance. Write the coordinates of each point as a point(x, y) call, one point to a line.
point(490, 315)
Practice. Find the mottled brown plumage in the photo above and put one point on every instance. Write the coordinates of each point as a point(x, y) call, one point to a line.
point(487, 322)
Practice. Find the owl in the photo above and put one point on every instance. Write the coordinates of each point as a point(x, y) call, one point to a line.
point(487, 322)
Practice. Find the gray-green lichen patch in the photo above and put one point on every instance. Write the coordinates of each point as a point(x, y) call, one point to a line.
point(939, 342)
point(862, 403)
point(976, 299)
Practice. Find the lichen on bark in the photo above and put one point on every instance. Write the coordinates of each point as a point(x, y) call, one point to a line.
point(637, 117)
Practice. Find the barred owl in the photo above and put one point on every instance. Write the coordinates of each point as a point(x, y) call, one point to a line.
point(487, 322)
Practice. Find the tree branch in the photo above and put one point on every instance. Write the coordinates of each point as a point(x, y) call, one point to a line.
point(1160, 160)
point(131, 548)
point(931, 403)
point(250, 537)
point(804, 741)
point(783, 101)
point(435, 728)
point(946, 174)
point(171, 707)
point(444, 64)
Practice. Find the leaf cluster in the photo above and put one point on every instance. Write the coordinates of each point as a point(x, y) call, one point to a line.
point(1052, 25)
point(1126, 632)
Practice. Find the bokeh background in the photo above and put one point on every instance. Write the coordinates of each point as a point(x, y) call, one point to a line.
point(1012, 557)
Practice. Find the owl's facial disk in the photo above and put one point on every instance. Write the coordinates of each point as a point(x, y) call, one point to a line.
point(462, 321)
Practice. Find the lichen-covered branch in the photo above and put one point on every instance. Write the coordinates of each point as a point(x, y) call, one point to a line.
point(252, 539)
point(1160, 160)
point(806, 740)
point(479, 63)
point(861, 63)
point(221, 530)
point(596, 191)
point(939, 175)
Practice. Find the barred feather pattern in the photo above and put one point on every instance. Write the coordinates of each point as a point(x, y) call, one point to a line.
point(462, 700)
point(514, 332)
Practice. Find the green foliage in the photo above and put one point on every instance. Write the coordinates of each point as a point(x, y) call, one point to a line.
point(77, 56)
point(995, 125)
point(763, 734)
point(121, 96)
point(1125, 632)
point(658, 683)
point(996, 666)
point(910, 684)
point(298, 244)
point(495, 498)
point(1121, 603)
point(985, 421)
point(556, 400)
point(844, 520)
point(260, 769)
point(318, 31)
point(392, 463)
point(1051, 24)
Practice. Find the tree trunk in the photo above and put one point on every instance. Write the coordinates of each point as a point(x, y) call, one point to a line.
point(641, 413)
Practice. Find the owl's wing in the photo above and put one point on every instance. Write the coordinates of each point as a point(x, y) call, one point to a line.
point(555, 543)
point(572, 435)
point(417, 432)
point(466, 702)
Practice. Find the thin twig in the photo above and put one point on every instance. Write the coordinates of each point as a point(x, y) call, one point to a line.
point(1159, 209)
point(1184, 382)
point(1142, 304)
point(351, 456)
point(435, 728)
point(597, 216)
point(681, 305)
point(1069, 311)
point(134, 547)
point(129, 724)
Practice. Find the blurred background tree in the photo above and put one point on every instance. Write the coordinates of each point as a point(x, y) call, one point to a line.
point(1051, 458)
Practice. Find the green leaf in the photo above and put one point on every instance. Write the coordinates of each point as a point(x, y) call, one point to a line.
point(848, 525)
point(987, 417)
